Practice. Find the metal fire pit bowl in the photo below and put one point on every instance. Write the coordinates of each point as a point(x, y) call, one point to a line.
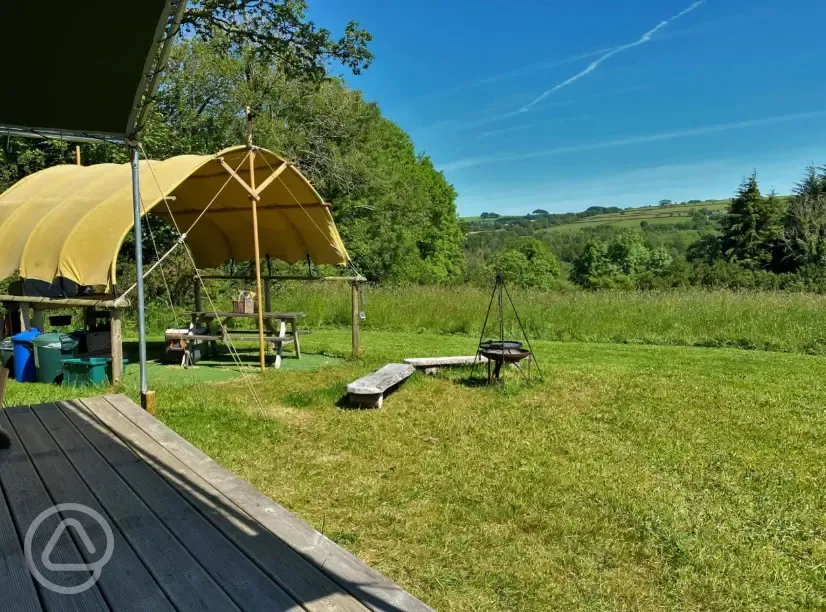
point(504, 352)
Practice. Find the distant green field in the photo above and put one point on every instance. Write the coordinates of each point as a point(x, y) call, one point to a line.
point(631, 217)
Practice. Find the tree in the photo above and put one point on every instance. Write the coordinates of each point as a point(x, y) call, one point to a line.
point(664, 203)
point(531, 265)
point(540, 212)
point(706, 250)
point(629, 254)
point(277, 31)
point(805, 222)
point(752, 230)
point(592, 265)
point(621, 263)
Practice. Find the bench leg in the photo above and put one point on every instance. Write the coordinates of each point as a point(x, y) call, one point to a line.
point(366, 401)
point(295, 339)
point(280, 351)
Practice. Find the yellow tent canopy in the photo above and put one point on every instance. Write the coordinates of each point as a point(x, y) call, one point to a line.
point(70, 221)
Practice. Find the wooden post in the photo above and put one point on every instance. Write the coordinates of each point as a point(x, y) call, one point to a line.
point(268, 285)
point(258, 291)
point(25, 321)
point(148, 402)
point(37, 319)
point(77, 154)
point(116, 344)
point(356, 321)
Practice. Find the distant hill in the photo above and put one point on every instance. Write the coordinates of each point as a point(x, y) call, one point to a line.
point(594, 216)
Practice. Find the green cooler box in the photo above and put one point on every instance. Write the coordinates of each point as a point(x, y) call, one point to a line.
point(86, 372)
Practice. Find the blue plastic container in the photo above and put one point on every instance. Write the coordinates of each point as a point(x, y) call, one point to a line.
point(24, 368)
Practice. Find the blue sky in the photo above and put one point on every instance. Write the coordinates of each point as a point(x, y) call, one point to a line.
point(564, 105)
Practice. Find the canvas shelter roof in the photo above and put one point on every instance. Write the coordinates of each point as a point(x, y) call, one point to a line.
point(69, 221)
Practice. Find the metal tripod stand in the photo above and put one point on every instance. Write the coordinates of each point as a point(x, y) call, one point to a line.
point(502, 352)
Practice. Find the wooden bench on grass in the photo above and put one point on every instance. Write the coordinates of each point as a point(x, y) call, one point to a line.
point(368, 391)
point(432, 365)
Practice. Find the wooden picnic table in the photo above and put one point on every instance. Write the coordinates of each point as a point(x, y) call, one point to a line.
point(275, 322)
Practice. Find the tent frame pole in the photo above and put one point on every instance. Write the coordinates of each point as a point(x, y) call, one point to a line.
point(258, 291)
point(147, 399)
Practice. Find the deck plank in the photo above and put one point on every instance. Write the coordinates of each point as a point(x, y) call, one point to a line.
point(180, 575)
point(244, 582)
point(27, 498)
point(363, 582)
point(299, 577)
point(16, 583)
point(124, 581)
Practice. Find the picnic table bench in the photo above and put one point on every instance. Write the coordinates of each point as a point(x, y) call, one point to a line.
point(275, 323)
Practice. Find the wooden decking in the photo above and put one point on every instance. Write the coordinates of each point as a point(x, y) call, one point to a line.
point(187, 533)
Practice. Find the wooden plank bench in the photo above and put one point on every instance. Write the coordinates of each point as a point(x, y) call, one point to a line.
point(369, 390)
point(431, 365)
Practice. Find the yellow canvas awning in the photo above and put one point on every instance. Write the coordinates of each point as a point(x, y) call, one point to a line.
point(69, 221)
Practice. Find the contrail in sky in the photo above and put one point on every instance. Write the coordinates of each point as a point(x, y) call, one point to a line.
point(611, 53)
point(631, 140)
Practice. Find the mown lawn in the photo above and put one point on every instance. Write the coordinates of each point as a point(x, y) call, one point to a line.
point(634, 477)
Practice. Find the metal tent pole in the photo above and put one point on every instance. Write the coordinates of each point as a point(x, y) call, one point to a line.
point(147, 399)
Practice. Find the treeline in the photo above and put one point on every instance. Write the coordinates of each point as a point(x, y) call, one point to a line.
point(764, 242)
point(541, 219)
point(760, 242)
point(538, 219)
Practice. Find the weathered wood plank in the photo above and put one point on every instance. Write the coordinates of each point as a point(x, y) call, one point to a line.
point(243, 581)
point(294, 573)
point(177, 573)
point(444, 362)
point(16, 584)
point(124, 581)
point(363, 582)
point(63, 302)
point(27, 498)
point(381, 380)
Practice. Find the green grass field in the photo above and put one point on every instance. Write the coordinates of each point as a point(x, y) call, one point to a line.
point(647, 471)
point(633, 477)
point(787, 322)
